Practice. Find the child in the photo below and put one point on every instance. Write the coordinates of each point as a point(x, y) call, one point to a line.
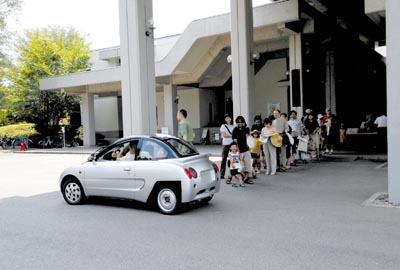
point(235, 165)
point(255, 153)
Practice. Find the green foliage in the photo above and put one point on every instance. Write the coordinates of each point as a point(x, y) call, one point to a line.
point(45, 52)
point(26, 129)
point(7, 8)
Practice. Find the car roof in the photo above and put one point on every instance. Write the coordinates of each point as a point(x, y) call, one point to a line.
point(159, 136)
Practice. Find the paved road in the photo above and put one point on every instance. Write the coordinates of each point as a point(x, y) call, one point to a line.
point(310, 218)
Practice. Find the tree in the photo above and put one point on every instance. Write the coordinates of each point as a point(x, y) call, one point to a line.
point(7, 8)
point(46, 52)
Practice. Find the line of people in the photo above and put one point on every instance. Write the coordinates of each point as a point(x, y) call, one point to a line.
point(273, 144)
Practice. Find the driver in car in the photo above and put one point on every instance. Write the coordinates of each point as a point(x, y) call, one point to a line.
point(131, 155)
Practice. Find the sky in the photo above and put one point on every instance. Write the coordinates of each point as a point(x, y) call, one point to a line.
point(97, 20)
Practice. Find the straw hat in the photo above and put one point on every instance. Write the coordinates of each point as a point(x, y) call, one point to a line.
point(276, 140)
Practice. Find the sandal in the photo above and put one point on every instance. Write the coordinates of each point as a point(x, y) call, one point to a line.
point(248, 181)
point(228, 180)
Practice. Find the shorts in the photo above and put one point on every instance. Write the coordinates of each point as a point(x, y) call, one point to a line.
point(253, 155)
point(234, 172)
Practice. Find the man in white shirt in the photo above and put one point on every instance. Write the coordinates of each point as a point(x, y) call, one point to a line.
point(131, 155)
point(381, 122)
point(296, 126)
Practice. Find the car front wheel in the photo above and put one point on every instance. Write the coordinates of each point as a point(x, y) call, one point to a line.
point(167, 201)
point(73, 192)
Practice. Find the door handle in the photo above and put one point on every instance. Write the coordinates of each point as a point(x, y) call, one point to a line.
point(127, 169)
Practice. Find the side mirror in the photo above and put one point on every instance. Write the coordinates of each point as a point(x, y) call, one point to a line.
point(92, 157)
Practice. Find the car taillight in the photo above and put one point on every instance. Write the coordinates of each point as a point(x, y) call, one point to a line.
point(191, 173)
point(216, 169)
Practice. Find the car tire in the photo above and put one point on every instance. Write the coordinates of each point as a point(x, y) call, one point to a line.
point(73, 192)
point(167, 201)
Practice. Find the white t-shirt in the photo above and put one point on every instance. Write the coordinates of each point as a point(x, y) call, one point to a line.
point(295, 124)
point(227, 141)
point(236, 160)
point(128, 156)
point(381, 121)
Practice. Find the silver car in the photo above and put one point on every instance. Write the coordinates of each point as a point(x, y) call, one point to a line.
point(164, 171)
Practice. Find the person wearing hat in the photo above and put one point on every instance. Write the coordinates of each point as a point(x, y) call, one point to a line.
point(256, 152)
point(305, 116)
point(258, 125)
point(226, 134)
point(269, 149)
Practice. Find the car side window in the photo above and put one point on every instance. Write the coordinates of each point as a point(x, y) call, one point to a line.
point(113, 152)
point(152, 150)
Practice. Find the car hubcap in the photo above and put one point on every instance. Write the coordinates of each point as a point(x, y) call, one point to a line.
point(73, 192)
point(167, 200)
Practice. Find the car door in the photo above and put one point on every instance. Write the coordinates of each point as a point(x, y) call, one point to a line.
point(110, 178)
point(148, 170)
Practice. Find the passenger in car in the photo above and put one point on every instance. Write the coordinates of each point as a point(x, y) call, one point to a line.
point(131, 155)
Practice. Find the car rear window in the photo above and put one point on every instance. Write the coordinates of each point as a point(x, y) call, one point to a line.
point(183, 148)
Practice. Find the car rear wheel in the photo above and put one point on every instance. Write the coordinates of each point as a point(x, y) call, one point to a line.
point(167, 201)
point(73, 192)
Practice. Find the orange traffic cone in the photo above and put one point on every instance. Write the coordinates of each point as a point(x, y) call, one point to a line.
point(22, 148)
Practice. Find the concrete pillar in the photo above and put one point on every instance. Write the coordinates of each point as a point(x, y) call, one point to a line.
point(242, 43)
point(330, 81)
point(393, 98)
point(137, 66)
point(296, 65)
point(87, 119)
point(170, 108)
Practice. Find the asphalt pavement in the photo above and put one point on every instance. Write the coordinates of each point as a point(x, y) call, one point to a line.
point(311, 217)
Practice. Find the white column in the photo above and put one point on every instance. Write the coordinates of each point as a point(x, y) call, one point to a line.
point(87, 119)
point(170, 108)
point(330, 80)
point(393, 97)
point(243, 92)
point(137, 65)
point(296, 62)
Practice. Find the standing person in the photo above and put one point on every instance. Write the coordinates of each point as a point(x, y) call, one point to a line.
point(235, 164)
point(305, 116)
point(239, 135)
point(296, 126)
point(258, 125)
point(381, 122)
point(281, 126)
point(286, 143)
point(331, 131)
point(256, 153)
point(226, 133)
point(185, 130)
point(311, 128)
point(269, 148)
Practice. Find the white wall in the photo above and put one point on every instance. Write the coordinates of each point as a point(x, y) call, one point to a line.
point(267, 89)
point(106, 114)
point(189, 100)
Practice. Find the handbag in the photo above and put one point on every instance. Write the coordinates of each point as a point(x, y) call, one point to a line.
point(250, 141)
point(291, 140)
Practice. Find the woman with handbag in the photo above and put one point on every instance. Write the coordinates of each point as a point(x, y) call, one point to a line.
point(269, 149)
point(226, 134)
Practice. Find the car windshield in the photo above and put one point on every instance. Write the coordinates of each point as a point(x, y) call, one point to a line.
point(183, 148)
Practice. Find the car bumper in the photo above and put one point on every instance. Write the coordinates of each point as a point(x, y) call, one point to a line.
point(202, 187)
